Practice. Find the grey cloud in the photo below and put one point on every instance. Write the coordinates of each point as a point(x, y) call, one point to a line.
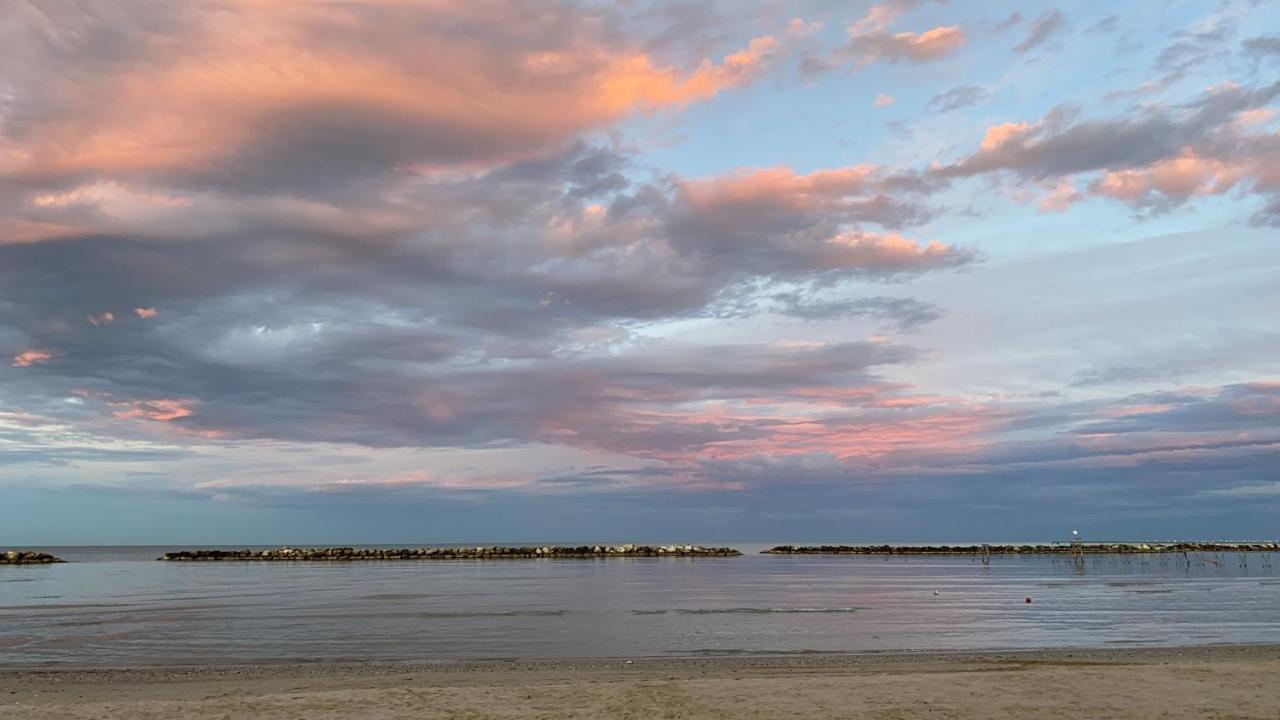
point(904, 314)
point(957, 97)
point(1012, 20)
point(1252, 490)
point(1231, 431)
point(1062, 145)
point(446, 366)
point(1234, 408)
point(1117, 374)
point(870, 41)
point(1105, 25)
point(1080, 147)
point(1195, 48)
point(468, 256)
point(1262, 46)
point(1041, 30)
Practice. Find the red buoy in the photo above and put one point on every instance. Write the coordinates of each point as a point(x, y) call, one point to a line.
point(1028, 601)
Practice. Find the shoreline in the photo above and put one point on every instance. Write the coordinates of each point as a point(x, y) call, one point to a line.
point(782, 660)
point(1234, 681)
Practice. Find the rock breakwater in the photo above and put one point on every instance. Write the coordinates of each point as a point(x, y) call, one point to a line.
point(1040, 549)
point(15, 557)
point(451, 553)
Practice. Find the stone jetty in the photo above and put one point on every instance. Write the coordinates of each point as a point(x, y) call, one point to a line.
point(451, 553)
point(15, 557)
point(1065, 548)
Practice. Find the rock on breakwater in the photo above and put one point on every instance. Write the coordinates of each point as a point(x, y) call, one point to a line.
point(1038, 549)
point(15, 557)
point(451, 553)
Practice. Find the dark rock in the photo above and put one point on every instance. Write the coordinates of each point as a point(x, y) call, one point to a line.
point(1064, 548)
point(287, 554)
point(15, 557)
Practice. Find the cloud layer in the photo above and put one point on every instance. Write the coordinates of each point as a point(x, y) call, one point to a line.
point(493, 247)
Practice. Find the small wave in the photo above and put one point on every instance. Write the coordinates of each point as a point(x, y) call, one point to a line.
point(67, 606)
point(720, 652)
point(396, 596)
point(648, 612)
point(760, 611)
point(85, 623)
point(495, 613)
point(1125, 583)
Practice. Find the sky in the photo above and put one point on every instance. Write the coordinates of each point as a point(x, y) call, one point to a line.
point(394, 271)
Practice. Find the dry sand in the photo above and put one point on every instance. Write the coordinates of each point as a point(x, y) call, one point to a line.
point(1213, 682)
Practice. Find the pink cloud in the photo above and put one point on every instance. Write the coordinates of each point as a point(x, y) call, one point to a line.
point(635, 81)
point(928, 46)
point(782, 186)
point(883, 101)
point(1176, 179)
point(998, 135)
point(105, 318)
point(145, 313)
point(521, 80)
point(160, 410)
point(884, 251)
point(878, 17)
point(1223, 152)
point(1060, 198)
point(27, 358)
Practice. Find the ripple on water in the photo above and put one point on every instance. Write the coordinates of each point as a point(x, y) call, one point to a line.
point(760, 611)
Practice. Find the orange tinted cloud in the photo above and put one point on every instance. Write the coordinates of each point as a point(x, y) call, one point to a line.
point(1060, 198)
point(813, 218)
point(162, 410)
point(998, 135)
point(520, 79)
point(888, 250)
point(1179, 179)
point(27, 358)
point(930, 45)
point(145, 313)
point(782, 186)
point(634, 81)
point(870, 40)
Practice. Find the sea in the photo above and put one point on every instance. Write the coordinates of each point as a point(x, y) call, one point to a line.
point(118, 606)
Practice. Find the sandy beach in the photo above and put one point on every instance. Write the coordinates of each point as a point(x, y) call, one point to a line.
point(1199, 682)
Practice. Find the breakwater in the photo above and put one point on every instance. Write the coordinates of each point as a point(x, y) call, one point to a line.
point(1065, 548)
point(451, 553)
point(15, 557)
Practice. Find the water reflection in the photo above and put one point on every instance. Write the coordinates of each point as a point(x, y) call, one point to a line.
point(119, 606)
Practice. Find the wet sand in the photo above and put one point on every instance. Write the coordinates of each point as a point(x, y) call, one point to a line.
point(1198, 682)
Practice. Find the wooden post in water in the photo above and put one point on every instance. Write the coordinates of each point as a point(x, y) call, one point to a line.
point(1077, 549)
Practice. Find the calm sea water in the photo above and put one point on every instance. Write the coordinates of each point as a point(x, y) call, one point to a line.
point(118, 606)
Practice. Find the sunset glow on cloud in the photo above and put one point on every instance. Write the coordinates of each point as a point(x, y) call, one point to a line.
point(733, 264)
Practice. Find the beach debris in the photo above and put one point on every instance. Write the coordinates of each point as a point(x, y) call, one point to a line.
point(451, 553)
point(18, 557)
